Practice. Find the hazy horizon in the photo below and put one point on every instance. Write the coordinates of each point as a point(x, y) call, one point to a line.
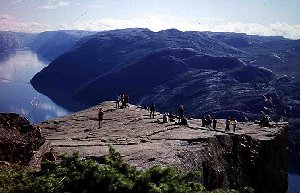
point(254, 17)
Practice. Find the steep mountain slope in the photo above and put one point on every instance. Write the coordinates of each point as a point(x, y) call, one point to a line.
point(217, 73)
point(276, 53)
point(98, 54)
point(51, 44)
point(141, 78)
point(25, 39)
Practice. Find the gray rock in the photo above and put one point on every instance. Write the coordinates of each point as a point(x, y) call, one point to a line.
point(252, 156)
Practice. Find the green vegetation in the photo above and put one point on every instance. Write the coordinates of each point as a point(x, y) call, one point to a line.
point(113, 176)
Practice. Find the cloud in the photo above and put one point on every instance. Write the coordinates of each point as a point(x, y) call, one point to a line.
point(274, 29)
point(8, 23)
point(16, 1)
point(5, 17)
point(19, 1)
point(53, 4)
point(157, 23)
point(95, 6)
point(153, 22)
point(289, 31)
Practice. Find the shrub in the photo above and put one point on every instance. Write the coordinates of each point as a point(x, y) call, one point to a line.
point(113, 176)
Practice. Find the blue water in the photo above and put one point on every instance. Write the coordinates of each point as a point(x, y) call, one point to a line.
point(294, 178)
point(17, 94)
point(294, 183)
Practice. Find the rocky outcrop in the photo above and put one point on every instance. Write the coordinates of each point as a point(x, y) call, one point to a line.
point(18, 139)
point(255, 160)
point(252, 156)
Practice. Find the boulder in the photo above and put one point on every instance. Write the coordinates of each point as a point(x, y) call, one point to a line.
point(18, 139)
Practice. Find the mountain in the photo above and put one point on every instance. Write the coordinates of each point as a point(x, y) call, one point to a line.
point(51, 44)
point(274, 52)
point(25, 39)
point(98, 54)
point(9, 42)
point(223, 74)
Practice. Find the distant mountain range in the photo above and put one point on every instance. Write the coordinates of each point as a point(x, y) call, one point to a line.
point(11, 41)
point(223, 74)
point(48, 45)
point(51, 44)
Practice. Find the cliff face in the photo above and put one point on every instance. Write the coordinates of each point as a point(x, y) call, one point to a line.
point(256, 161)
point(252, 156)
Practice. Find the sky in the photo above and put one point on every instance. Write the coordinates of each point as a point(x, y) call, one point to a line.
point(257, 17)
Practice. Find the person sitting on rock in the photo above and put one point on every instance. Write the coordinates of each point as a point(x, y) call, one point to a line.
point(165, 118)
point(180, 113)
point(152, 109)
point(171, 117)
point(184, 121)
point(100, 117)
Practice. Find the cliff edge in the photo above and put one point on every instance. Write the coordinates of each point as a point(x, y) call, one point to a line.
point(252, 156)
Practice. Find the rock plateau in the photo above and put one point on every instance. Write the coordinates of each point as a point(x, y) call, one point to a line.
point(252, 156)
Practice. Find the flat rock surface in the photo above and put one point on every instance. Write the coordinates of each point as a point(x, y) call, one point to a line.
point(142, 141)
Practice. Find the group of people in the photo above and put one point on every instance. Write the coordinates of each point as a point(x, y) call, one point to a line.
point(230, 121)
point(208, 121)
point(169, 117)
point(123, 99)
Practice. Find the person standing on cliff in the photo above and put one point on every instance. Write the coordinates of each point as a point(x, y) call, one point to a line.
point(214, 124)
point(100, 117)
point(227, 128)
point(126, 100)
point(209, 121)
point(234, 122)
point(122, 101)
point(118, 100)
point(152, 109)
point(180, 113)
point(203, 122)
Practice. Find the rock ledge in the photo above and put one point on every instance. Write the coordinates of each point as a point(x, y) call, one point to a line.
point(252, 156)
